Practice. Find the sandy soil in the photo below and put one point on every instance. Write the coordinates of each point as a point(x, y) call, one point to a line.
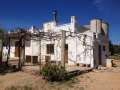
point(97, 80)
point(105, 80)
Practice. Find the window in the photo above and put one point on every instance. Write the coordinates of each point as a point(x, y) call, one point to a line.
point(50, 48)
point(28, 59)
point(35, 59)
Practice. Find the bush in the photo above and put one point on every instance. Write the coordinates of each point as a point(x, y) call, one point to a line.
point(53, 72)
point(116, 57)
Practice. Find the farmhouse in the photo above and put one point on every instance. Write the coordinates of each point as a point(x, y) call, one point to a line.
point(85, 45)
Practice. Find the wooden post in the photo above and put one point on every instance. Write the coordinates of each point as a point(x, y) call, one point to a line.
point(1, 56)
point(40, 52)
point(1, 52)
point(19, 64)
point(8, 56)
point(63, 48)
point(32, 52)
point(24, 51)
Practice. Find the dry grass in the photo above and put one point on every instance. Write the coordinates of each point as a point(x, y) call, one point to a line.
point(97, 80)
point(26, 81)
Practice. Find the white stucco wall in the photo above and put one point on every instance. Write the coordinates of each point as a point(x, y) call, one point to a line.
point(78, 52)
point(12, 48)
point(33, 49)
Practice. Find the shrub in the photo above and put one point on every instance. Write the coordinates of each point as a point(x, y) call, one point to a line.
point(53, 72)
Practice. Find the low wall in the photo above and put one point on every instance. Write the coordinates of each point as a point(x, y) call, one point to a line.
point(115, 63)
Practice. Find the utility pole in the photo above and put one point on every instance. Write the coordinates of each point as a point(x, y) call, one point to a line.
point(63, 48)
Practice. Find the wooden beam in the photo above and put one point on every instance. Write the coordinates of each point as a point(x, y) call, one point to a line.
point(63, 48)
point(40, 54)
point(8, 56)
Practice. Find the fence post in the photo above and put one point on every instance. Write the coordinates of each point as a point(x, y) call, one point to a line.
point(63, 48)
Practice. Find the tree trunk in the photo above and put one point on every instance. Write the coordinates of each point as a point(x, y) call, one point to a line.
point(1, 56)
point(19, 50)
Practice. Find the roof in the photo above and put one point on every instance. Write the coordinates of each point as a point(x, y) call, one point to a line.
point(82, 29)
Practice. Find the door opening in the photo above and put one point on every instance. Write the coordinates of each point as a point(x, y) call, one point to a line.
point(99, 55)
point(17, 53)
point(66, 53)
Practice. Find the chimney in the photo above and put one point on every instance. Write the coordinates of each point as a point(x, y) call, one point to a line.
point(105, 27)
point(96, 25)
point(73, 24)
point(73, 19)
point(55, 15)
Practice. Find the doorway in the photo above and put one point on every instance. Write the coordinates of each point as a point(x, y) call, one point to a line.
point(17, 52)
point(66, 53)
point(99, 55)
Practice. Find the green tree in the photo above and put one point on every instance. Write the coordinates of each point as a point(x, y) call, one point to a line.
point(114, 49)
point(111, 48)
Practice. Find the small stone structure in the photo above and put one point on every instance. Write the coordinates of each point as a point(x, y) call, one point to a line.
point(108, 62)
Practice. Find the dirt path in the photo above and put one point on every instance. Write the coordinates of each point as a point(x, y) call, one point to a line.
point(96, 80)
point(105, 80)
point(14, 79)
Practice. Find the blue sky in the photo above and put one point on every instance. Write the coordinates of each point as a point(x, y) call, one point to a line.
point(24, 13)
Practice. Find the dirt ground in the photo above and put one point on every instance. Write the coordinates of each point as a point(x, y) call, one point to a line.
point(96, 80)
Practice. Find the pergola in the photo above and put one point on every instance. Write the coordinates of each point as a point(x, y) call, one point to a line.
point(23, 35)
